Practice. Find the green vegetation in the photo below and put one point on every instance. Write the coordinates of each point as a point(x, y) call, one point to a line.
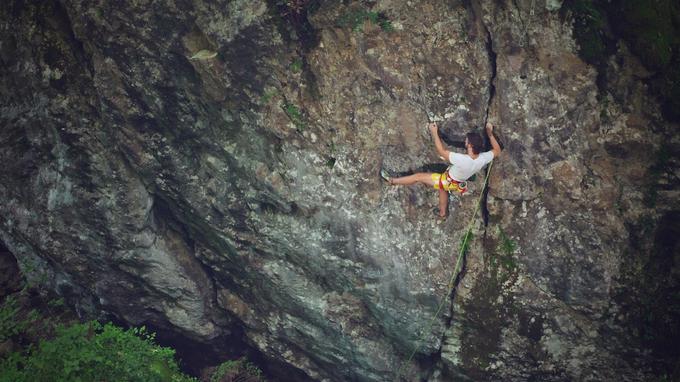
point(648, 25)
point(39, 277)
point(507, 245)
point(56, 303)
point(465, 241)
point(589, 30)
point(356, 19)
point(652, 30)
point(94, 352)
point(268, 95)
point(296, 65)
point(503, 259)
point(237, 370)
point(295, 115)
point(10, 325)
point(89, 351)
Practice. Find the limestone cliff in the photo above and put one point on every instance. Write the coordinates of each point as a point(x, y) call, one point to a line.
point(210, 168)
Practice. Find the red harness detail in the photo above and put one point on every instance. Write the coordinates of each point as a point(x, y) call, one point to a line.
point(459, 186)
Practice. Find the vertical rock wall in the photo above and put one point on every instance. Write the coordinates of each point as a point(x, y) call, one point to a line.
point(236, 198)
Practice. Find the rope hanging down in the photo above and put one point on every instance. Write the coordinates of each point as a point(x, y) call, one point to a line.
point(455, 271)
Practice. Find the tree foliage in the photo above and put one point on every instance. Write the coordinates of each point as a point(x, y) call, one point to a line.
point(94, 352)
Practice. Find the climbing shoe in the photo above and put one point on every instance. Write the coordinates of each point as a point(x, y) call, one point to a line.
point(440, 219)
point(386, 177)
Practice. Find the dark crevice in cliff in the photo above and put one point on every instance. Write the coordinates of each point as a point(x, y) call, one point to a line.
point(194, 356)
point(61, 21)
point(292, 21)
point(659, 306)
point(484, 210)
point(594, 36)
point(11, 279)
point(492, 94)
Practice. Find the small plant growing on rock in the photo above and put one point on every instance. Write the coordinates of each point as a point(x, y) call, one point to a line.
point(465, 241)
point(357, 18)
point(296, 65)
point(10, 325)
point(293, 112)
point(507, 245)
point(268, 95)
point(502, 263)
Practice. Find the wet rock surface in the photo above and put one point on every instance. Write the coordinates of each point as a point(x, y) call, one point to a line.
point(234, 198)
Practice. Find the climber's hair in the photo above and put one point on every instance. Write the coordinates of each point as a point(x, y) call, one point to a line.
point(476, 141)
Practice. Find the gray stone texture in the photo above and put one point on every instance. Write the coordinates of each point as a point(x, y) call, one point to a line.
point(239, 195)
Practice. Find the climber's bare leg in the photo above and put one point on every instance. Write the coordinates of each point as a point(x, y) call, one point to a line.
point(426, 179)
point(443, 203)
point(419, 177)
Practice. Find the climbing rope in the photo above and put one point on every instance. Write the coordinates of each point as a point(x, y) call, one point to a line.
point(455, 272)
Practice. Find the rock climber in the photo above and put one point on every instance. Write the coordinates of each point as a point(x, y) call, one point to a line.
point(462, 167)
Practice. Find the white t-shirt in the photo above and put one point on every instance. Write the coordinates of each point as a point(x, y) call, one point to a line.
point(463, 167)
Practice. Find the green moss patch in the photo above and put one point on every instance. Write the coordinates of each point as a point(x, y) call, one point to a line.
point(357, 18)
point(651, 28)
point(590, 30)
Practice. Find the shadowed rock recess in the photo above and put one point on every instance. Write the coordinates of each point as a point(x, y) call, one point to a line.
point(233, 202)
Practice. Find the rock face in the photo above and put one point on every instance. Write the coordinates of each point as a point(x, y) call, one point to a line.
point(234, 196)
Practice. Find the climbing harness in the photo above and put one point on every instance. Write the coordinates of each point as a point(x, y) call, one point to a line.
point(447, 183)
point(463, 247)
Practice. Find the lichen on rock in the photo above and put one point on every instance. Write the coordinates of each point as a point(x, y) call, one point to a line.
point(233, 200)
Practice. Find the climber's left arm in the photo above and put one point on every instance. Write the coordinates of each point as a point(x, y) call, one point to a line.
point(434, 130)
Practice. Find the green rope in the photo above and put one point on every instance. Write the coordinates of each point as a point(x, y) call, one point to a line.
point(455, 272)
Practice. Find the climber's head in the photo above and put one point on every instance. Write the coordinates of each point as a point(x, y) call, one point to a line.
point(475, 141)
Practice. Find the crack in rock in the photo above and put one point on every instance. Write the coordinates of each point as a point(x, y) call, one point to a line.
point(492, 93)
point(484, 210)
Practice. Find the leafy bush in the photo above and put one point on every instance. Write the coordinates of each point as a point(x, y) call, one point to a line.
point(10, 324)
point(237, 370)
point(94, 352)
point(589, 30)
point(648, 26)
point(651, 28)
